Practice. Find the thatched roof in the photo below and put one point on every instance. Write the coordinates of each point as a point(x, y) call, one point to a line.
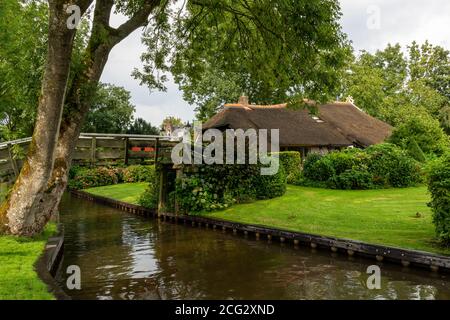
point(338, 124)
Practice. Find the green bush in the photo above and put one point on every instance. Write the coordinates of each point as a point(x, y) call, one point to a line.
point(321, 170)
point(215, 187)
point(270, 186)
point(391, 166)
point(379, 166)
point(149, 199)
point(88, 178)
point(425, 131)
point(439, 187)
point(82, 178)
point(195, 193)
point(310, 161)
point(139, 173)
point(354, 178)
point(291, 162)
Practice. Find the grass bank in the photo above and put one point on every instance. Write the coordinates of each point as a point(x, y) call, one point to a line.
point(393, 217)
point(126, 192)
point(18, 280)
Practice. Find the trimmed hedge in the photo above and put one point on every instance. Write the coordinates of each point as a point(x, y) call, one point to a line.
point(214, 187)
point(439, 187)
point(83, 178)
point(379, 166)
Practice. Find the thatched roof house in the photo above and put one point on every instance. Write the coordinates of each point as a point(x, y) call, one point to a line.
point(338, 125)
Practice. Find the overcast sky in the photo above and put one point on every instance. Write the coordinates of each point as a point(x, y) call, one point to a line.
point(370, 24)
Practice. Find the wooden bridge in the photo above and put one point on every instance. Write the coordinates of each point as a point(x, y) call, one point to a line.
point(93, 149)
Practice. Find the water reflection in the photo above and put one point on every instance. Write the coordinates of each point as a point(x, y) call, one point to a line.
point(122, 256)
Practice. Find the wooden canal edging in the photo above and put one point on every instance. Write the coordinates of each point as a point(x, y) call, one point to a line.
point(93, 149)
point(405, 257)
point(48, 263)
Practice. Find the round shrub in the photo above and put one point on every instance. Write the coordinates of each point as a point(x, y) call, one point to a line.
point(391, 166)
point(139, 173)
point(439, 187)
point(425, 131)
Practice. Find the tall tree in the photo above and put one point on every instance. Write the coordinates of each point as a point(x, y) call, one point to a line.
point(20, 213)
point(294, 46)
point(111, 111)
point(392, 86)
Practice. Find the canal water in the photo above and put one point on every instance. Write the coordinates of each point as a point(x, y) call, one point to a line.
point(122, 256)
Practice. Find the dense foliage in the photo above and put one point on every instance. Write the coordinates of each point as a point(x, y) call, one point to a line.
point(291, 162)
point(140, 126)
point(111, 110)
point(271, 50)
point(139, 173)
point(422, 136)
point(83, 178)
point(439, 187)
point(393, 86)
point(213, 187)
point(379, 166)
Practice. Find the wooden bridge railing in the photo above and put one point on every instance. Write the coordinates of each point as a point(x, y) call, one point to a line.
point(93, 149)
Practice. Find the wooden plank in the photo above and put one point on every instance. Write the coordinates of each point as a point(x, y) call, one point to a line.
point(156, 150)
point(126, 151)
point(13, 161)
point(141, 143)
point(117, 154)
point(82, 154)
point(110, 143)
point(4, 154)
point(93, 150)
point(140, 154)
point(6, 167)
point(84, 143)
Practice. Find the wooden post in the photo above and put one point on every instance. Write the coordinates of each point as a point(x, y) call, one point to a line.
point(179, 174)
point(93, 150)
point(156, 150)
point(13, 161)
point(162, 190)
point(126, 151)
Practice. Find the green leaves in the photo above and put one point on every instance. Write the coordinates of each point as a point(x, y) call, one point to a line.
point(269, 50)
point(111, 111)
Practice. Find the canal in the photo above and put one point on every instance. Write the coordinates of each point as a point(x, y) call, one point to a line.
point(122, 256)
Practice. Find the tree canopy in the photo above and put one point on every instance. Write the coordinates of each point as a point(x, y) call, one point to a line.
point(393, 86)
point(111, 111)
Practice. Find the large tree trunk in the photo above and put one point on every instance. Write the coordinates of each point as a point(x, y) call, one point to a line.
point(19, 214)
point(80, 96)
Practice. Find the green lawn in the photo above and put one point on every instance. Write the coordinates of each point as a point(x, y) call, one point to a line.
point(18, 280)
point(386, 216)
point(126, 192)
point(375, 216)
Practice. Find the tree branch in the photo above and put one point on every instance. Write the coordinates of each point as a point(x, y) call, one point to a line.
point(139, 19)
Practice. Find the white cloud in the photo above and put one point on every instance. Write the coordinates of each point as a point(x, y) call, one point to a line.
point(401, 21)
